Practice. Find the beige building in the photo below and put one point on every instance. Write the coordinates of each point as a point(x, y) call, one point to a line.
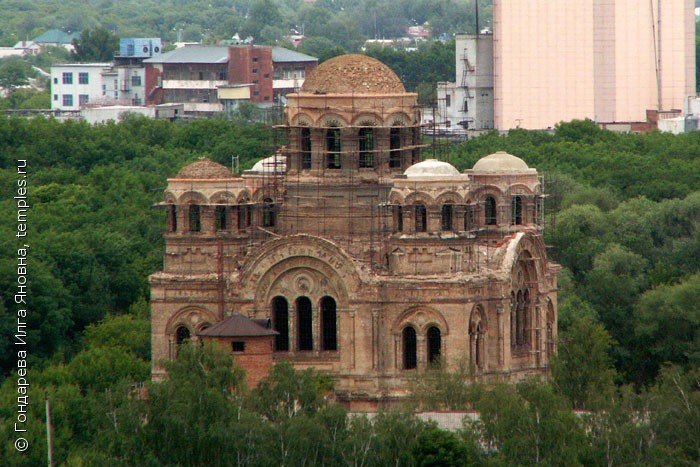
point(367, 262)
point(607, 60)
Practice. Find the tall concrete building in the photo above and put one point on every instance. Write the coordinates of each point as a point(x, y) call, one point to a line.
point(607, 60)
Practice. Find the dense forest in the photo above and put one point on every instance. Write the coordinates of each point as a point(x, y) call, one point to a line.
point(623, 220)
point(345, 23)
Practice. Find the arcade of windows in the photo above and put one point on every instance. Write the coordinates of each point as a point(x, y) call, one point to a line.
point(409, 341)
point(333, 146)
point(222, 219)
point(300, 319)
point(449, 215)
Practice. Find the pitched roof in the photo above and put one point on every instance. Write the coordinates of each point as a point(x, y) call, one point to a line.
point(237, 325)
point(280, 54)
point(55, 36)
point(193, 54)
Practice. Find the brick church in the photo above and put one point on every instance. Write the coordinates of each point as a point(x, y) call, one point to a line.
point(348, 253)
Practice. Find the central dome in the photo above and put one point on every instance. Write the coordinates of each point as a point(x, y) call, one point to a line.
point(353, 73)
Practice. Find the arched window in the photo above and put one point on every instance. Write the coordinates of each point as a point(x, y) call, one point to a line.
point(519, 318)
point(268, 212)
point(398, 218)
point(305, 146)
point(490, 211)
point(447, 215)
point(280, 323)
point(172, 218)
point(182, 335)
point(333, 148)
point(195, 218)
point(421, 215)
point(329, 338)
point(476, 339)
point(305, 328)
point(434, 345)
point(550, 330)
point(478, 347)
point(244, 215)
point(469, 222)
point(221, 218)
point(517, 208)
point(366, 147)
point(410, 359)
point(395, 148)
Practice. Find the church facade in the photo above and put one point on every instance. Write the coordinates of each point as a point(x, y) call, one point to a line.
point(364, 260)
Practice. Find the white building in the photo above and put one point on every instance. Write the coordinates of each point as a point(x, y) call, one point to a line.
point(468, 102)
point(75, 86)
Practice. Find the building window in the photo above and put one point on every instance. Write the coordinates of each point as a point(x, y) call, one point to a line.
point(333, 148)
point(305, 146)
point(434, 346)
point(68, 100)
point(201, 75)
point(268, 213)
point(421, 218)
point(244, 215)
point(195, 218)
point(83, 99)
point(280, 323)
point(476, 339)
point(448, 100)
point(517, 208)
point(305, 336)
point(55, 80)
point(67, 78)
point(238, 346)
point(182, 335)
point(329, 339)
point(398, 218)
point(395, 148)
point(447, 215)
point(255, 71)
point(172, 218)
point(83, 78)
point(410, 359)
point(366, 147)
point(522, 303)
point(55, 97)
point(469, 216)
point(220, 218)
point(136, 80)
point(490, 211)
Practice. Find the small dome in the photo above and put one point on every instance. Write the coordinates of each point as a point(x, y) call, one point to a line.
point(272, 164)
point(204, 168)
point(500, 162)
point(352, 73)
point(431, 168)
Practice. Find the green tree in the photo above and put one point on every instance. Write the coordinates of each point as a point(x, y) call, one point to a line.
point(582, 368)
point(529, 424)
point(95, 45)
point(15, 72)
